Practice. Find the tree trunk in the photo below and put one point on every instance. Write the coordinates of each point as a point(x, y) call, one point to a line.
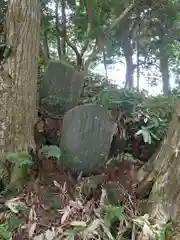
point(164, 67)
point(164, 73)
point(45, 45)
point(128, 53)
point(18, 94)
point(138, 59)
point(164, 200)
point(57, 29)
point(63, 13)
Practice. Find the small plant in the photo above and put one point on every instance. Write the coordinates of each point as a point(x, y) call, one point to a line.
point(14, 219)
point(5, 231)
point(125, 99)
point(112, 213)
point(51, 151)
point(153, 231)
point(22, 158)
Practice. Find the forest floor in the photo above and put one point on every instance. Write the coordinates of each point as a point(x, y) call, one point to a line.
point(57, 200)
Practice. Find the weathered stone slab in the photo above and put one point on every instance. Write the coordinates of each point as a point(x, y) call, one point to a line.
point(61, 87)
point(86, 138)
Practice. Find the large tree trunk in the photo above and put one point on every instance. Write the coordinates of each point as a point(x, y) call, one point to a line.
point(18, 94)
point(164, 200)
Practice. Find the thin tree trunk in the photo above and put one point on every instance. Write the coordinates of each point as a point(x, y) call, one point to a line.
point(138, 55)
point(129, 72)
point(63, 13)
point(57, 30)
point(128, 53)
point(45, 45)
point(163, 60)
point(164, 68)
point(18, 96)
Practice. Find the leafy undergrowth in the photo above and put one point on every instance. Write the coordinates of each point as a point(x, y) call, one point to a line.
point(60, 207)
point(105, 206)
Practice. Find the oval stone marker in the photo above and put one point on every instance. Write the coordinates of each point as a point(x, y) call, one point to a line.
point(86, 138)
point(61, 88)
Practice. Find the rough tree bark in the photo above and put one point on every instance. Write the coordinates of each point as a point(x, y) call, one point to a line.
point(164, 200)
point(18, 87)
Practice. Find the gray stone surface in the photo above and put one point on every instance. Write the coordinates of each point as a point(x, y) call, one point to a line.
point(86, 138)
point(61, 87)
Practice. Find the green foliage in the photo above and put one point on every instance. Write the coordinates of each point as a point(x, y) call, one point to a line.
point(125, 99)
point(15, 170)
point(22, 158)
point(4, 231)
point(161, 106)
point(14, 218)
point(112, 213)
point(51, 151)
point(157, 112)
point(100, 14)
point(94, 84)
point(3, 4)
point(155, 130)
point(14, 222)
point(146, 116)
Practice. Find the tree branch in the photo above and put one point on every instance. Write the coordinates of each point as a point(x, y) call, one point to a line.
point(79, 56)
point(57, 29)
point(99, 48)
point(84, 48)
point(72, 46)
point(121, 17)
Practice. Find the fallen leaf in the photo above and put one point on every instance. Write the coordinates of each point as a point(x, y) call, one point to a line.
point(78, 224)
point(67, 211)
point(50, 235)
point(32, 229)
point(12, 204)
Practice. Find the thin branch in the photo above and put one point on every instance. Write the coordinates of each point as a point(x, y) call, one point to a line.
point(79, 56)
point(91, 57)
point(57, 29)
point(84, 48)
point(99, 48)
point(63, 12)
point(121, 17)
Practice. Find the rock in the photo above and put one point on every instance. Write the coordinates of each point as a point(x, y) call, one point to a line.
point(86, 138)
point(61, 87)
point(116, 194)
point(91, 187)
